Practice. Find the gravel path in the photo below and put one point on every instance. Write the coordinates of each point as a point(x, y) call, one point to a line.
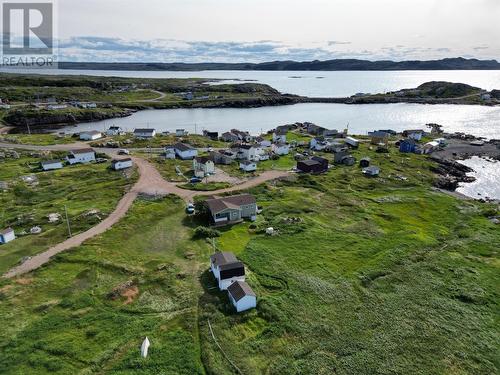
point(150, 183)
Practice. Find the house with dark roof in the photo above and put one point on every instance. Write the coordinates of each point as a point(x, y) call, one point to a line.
point(314, 165)
point(7, 235)
point(224, 157)
point(203, 166)
point(227, 269)
point(119, 164)
point(232, 209)
point(184, 151)
point(242, 296)
point(279, 135)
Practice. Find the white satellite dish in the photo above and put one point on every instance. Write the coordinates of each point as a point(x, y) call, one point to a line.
point(145, 347)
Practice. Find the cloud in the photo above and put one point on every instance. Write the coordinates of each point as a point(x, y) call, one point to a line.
point(106, 49)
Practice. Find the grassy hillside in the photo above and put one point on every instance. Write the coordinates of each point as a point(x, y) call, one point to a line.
point(365, 276)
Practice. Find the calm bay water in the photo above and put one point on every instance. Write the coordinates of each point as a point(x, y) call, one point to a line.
point(478, 120)
point(315, 84)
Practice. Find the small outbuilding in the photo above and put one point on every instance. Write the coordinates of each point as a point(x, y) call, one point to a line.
point(313, 165)
point(407, 146)
point(348, 160)
point(248, 166)
point(7, 235)
point(90, 135)
point(144, 133)
point(118, 164)
point(371, 171)
point(242, 296)
point(49, 165)
point(365, 162)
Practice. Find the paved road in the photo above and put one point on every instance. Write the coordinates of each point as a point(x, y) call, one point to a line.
point(150, 182)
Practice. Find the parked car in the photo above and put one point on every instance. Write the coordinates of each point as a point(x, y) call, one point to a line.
point(195, 180)
point(190, 208)
point(123, 152)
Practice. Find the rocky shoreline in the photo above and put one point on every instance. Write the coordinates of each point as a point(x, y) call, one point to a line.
point(461, 147)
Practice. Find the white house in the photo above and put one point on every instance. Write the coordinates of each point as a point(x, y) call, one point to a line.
point(247, 152)
point(248, 165)
point(242, 296)
point(84, 155)
point(203, 166)
point(169, 152)
point(114, 130)
point(144, 133)
point(48, 165)
point(184, 151)
point(118, 164)
point(91, 135)
point(279, 136)
point(281, 148)
point(7, 235)
point(226, 269)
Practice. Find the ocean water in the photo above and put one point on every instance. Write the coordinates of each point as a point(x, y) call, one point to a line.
point(487, 173)
point(315, 84)
point(477, 120)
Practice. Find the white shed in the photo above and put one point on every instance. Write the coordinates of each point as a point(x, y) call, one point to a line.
point(281, 148)
point(242, 296)
point(7, 235)
point(144, 133)
point(248, 166)
point(90, 135)
point(118, 164)
point(48, 165)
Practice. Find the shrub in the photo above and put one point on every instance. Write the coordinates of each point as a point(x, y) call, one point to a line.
point(204, 232)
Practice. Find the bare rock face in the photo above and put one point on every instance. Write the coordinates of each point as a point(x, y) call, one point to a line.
point(451, 174)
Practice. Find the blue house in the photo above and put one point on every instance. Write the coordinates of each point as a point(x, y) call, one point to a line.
point(407, 146)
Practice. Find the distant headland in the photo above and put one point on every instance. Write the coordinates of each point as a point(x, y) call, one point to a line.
point(458, 63)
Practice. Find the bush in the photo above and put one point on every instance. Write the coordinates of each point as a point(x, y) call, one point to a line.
point(204, 232)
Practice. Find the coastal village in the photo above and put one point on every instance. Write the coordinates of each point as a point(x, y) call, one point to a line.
point(311, 148)
point(231, 229)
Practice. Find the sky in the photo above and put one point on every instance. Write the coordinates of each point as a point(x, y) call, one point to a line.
point(268, 30)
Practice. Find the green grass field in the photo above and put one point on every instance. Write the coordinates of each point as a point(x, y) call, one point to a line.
point(364, 276)
point(79, 188)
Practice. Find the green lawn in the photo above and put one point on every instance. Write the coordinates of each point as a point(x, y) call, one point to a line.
point(365, 276)
point(37, 139)
point(65, 319)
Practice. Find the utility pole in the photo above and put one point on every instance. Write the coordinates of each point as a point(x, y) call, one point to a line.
point(29, 130)
point(67, 220)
